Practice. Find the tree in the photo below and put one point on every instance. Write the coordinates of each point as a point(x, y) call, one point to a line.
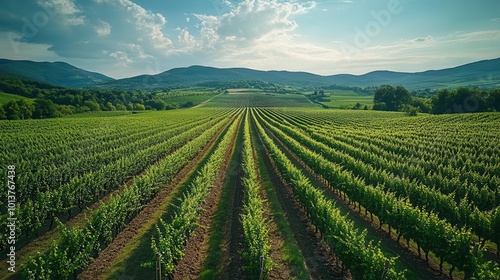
point(493, 100)
point(92, 105)
point(120, 107)
point(2, 113)
point(155, 104)
point(109, 107)
point(65, 110)
point(130, 106)
point(18, 110)
point(139, 107)
point(391, 98)
point(423, 104)
point(188, 104)
point(25, 108)
point(44, 108)
point(411, 110)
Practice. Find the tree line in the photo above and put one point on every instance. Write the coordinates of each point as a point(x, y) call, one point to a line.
point(446, 101)
point(53, 101)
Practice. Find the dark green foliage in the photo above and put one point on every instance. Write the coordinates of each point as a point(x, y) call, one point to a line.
point(412, 111)
point(394, 98)
point(423, 104)
point(156, 104)
point(92, 105)
point(493, 100)
point(188, 104)
point(18, 110)
point(44, 109)
point(79, 100)
point(465, 100)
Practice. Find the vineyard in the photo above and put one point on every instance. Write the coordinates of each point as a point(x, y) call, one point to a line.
point(241, 188)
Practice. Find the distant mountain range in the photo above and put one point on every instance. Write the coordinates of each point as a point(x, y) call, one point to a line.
point(54, 73)
point(485, 73)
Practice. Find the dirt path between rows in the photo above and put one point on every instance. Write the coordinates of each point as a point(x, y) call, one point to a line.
point(98, 268)
point(191, 264)
point(281, 271)
point(231, 262)
point(319, 261)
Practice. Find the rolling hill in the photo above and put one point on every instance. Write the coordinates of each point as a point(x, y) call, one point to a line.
point(485, 73)
point(54, 73)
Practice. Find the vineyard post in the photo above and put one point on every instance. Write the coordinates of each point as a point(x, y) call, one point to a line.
point(261, 276)
point(158, 266)
point(386, 268)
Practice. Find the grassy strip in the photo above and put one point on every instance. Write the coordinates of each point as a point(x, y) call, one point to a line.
point(212, 264)
point(290, 250)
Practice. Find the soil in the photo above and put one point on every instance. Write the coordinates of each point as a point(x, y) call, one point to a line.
point(231, 261)
point(191, 264)
point(281, 269)
point(320, 263)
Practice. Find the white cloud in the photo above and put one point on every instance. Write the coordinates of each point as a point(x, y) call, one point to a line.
point(208, 32)
point(422, 40)
point(103, 29)
point(251, 22)
point(185, 39)
point(484, 35)
point(66, 9)
point(121, 56)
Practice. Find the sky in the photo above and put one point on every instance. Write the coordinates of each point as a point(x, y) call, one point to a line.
point(124, 38)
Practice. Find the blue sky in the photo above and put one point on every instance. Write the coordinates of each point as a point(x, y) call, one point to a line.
point(123, 38)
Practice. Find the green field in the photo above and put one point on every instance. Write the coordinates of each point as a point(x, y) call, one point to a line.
point(345, 99)
point(253, 178)
point(6, 97)
point(195, 99)
point(259, 99)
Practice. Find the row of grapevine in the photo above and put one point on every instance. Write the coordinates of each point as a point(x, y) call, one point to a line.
point(426, 229)
point(49, 157)
point(466, 152)
point(460, 214)
point(77, 246)
point(364, 259)
point(460, 202)
point(53, 169)
point(172, 236)
point(88, 188)
point(477, 182)
point(255, 226)
point(49, 177)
